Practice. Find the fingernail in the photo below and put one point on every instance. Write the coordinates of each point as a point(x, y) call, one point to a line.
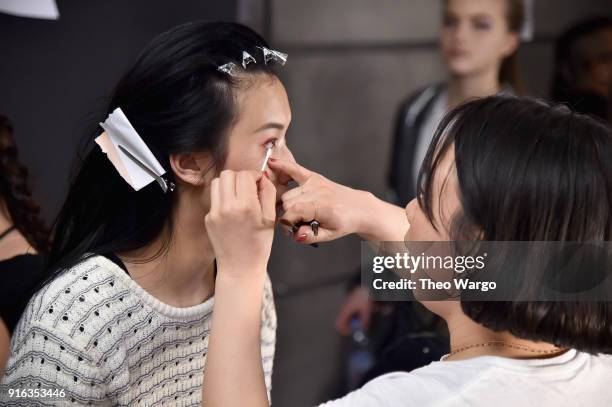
point(302, 238)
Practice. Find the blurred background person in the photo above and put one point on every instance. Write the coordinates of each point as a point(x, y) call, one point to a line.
point(24, 238)
point(583, 68)
point(479, 41)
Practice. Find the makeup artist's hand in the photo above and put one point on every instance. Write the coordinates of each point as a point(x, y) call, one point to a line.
point(338, 209)
point(240, 223)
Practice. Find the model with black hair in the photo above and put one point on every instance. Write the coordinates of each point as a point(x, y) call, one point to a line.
point(123, 317)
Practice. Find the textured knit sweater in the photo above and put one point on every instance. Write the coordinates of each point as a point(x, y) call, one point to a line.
point(94, 333)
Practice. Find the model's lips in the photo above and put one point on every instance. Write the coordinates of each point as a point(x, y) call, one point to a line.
point(456, 53)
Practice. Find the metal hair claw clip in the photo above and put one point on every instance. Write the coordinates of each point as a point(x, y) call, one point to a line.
point(272, 55)
point(269, 55)
point(230, 68)
point(163, 183)
point(247, 59)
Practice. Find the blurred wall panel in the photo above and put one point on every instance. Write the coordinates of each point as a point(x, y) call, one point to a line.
point(552, 16)
point(325, 21)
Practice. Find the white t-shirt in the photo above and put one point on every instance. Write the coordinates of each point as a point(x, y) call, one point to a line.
point(571, 379)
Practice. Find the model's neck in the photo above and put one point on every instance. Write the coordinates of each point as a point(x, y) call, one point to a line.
point(464, 88)
point(476, 340)
point(183, 275)
point(5, 219)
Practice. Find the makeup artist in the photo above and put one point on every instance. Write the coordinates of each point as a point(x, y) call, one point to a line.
point(479, 41)
point(498, 169)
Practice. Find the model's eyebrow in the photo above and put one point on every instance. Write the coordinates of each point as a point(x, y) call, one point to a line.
point(271, 126)
point(481, 16)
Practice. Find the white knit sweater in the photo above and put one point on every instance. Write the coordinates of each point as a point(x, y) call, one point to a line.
point(102, 339)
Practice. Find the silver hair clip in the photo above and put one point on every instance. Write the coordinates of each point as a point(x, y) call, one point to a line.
point(233, 69)
point(272, 55)
point(230, 68)
point(163, 183)
point(129, 154)
point(247, 59)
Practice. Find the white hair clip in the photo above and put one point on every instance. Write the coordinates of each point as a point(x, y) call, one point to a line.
point(272, 55)
point(129, 154)
point(247, 59)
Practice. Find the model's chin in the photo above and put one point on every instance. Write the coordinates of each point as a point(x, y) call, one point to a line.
point(460, 67)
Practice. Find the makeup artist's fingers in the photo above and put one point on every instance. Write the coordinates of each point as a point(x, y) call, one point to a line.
point(300, 212)
point(311, 192)
point(305, 235)
point(311, 197)
point(298, 173)
point(227, 186)
point(293, 194)
point(267, 199)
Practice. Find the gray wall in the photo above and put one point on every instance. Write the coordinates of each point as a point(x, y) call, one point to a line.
point(350, 64)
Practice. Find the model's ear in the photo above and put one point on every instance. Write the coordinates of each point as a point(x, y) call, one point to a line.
point(190, 167)
point(512, 44)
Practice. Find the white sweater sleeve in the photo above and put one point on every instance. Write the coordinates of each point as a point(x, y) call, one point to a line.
point(268, 334)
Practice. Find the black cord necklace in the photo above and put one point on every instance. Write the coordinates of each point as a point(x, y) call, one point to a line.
point(7, 231)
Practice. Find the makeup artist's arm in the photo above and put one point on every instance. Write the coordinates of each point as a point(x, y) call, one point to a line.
point(340, 210)
point(240, 226)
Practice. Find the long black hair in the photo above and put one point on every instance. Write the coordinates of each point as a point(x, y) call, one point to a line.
point(178, 101)
point(528, 171)
point(16, 194)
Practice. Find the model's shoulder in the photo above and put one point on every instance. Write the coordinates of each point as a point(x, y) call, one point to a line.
point(422, 95)
point(76, 292)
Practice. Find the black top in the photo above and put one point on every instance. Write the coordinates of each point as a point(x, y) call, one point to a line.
point(408, 122)
point(7, 231)
point(20, 275)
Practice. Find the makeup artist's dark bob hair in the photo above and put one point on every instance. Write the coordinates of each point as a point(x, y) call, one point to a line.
point(178, 101)
point(529, 172)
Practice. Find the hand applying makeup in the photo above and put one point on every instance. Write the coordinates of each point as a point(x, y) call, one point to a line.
point(240, 226)
point(340, 210)
point(240, 223)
